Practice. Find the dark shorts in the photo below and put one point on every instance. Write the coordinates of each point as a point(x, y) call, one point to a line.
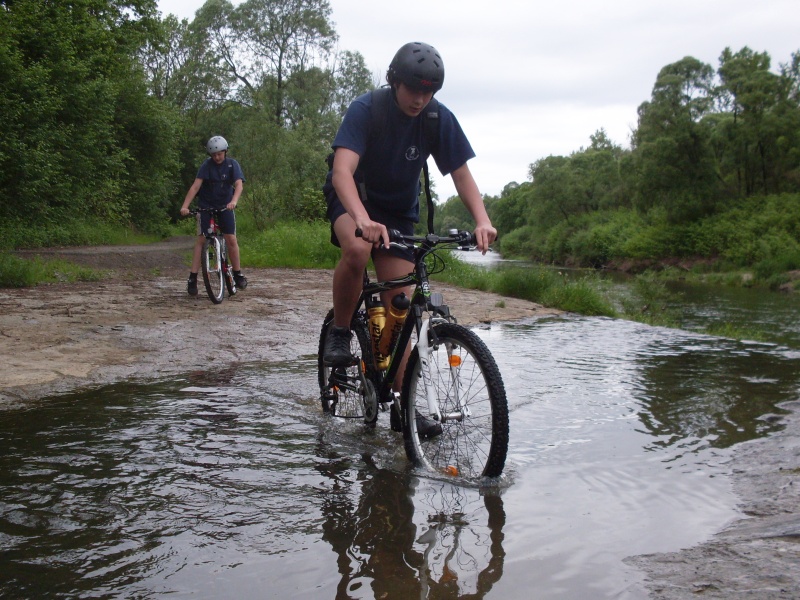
point(403, 224)
point(226, 221)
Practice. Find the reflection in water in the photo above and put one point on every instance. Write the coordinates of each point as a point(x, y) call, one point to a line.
point(382, 553)
point(462, 556)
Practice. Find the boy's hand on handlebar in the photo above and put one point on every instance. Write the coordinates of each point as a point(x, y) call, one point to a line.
point(374, 233)
point(484, 236)
point(184, 211)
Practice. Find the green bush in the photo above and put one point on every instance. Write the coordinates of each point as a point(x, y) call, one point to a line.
point(542, 285)
point(291, 245)
point(16, 272)
point(579, 297)
point(530, 284)
point(518, 243)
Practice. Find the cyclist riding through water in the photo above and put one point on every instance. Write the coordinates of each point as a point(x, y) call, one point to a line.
point(374, 184)
point(218, 184)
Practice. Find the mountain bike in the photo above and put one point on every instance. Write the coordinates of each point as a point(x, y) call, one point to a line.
point(450, 377)
point(215, 264)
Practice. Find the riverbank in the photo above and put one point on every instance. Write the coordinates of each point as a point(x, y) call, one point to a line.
point(139, 323)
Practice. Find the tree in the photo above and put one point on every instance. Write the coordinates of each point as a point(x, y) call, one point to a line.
point(763, 110)
point(68, 145)
point(280, 39)
point(672, 143)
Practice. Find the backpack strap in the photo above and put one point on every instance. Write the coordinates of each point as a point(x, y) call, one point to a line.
point(428, 196)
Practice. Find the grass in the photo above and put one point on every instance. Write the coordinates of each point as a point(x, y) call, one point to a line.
point(74, 233)
point(536, 284)
point(18, 272)
point(291, 246)
point(736, 332)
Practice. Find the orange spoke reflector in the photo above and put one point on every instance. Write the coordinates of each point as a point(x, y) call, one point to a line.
point(451, 470)
point(455, 361)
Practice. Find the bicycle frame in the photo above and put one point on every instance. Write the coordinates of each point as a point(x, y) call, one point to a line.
point(215, 232)
point(422, 300)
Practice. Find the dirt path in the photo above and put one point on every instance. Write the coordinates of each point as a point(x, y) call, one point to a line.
point(140, 323)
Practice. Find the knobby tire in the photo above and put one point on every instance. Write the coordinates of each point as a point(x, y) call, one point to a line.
point(354, 397)
point(213, 277)
point(476, 445)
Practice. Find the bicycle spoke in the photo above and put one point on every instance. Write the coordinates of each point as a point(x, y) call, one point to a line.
point(470, 397)
point(348, 392)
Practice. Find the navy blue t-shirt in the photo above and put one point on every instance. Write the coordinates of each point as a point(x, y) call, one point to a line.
point(391, 166)
point(216, 190)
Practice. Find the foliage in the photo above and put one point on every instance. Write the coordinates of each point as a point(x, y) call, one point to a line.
point(673, 155)
point(650, 301)
point(76, 113)
point(297, 245)
point(709, 148)
point(453, 214)
point(70, 232)
point(537, 284)
point(18, 272)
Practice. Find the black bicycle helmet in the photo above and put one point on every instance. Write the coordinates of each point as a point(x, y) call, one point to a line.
point(419, 66)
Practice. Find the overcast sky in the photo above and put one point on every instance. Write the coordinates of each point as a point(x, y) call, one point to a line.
point(529, 79)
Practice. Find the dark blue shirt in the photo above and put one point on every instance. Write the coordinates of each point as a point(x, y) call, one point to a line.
point(391, 166)
point(216, 190)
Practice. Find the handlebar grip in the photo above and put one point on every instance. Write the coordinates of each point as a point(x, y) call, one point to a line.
point(393, 234)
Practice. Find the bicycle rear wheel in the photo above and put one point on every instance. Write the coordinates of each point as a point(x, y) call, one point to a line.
point(212, 269)
point(348, 392)
point(463, 378)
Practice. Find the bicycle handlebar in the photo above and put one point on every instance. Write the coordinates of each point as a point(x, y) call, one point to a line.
point(462, 238)
point(194, 211)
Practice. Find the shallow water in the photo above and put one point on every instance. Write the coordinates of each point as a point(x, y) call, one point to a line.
point(233, 484)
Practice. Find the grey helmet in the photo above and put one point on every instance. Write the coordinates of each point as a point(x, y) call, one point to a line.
point(419, 66)
point(216, 144)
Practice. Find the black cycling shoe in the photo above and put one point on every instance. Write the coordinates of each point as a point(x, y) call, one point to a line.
point(427, 428)
point(337, 348)
point(191, 287)
point(240, 280)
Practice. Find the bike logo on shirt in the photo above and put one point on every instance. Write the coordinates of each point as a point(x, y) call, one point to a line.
point(412, 153)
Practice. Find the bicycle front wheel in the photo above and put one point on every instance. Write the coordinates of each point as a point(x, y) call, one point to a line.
point(350, 391)
point(213, 276)
point(462, 378)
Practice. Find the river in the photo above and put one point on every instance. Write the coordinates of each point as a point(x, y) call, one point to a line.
point(233, 484)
